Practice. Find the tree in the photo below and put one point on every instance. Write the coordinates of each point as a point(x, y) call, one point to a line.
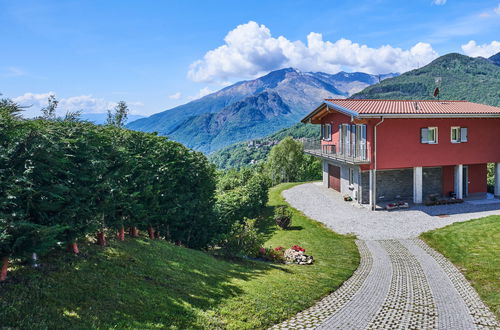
point(49, 112)
point(285, 161)
point(119, 117)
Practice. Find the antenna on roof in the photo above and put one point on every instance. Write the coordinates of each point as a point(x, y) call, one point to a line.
point(438, 84)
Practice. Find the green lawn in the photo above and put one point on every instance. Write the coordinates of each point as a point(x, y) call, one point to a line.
point(474, 247)
point(153, 284)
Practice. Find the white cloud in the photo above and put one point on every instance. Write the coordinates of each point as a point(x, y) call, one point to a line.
point(439, 2)
point(85, 103)
point(12, 71)
point(485, 50)
point(250, 50)
point(497, 9)
point(202, 92)
point(175, 96)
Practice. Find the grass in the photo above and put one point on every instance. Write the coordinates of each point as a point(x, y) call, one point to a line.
point(474, 247)
point(148, 284)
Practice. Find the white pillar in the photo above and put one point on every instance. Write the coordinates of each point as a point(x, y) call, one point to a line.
point(497, 180)
point(459, 181)
point(371, 189)
point(325, 173)
point(417, 185)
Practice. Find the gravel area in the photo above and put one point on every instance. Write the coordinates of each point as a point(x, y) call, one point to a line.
point(401, 282)
point(328, 207)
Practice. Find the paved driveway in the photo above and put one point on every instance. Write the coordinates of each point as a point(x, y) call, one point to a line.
point(328, 207)
point(401, 283)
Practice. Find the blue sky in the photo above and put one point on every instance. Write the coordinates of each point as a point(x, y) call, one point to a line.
point(158, 54)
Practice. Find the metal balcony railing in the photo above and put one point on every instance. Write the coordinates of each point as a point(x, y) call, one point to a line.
point(354, 154)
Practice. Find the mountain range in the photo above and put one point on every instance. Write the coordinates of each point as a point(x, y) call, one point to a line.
point(252, 109)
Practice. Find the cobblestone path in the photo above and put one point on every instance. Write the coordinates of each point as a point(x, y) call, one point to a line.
point(400, 283)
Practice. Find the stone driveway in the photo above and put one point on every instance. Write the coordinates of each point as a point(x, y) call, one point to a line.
point(401, 282)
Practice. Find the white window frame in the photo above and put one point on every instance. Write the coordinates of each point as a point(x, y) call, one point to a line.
point(351, 176)
point(436, 135)
point(326, 128)
point(458, 138)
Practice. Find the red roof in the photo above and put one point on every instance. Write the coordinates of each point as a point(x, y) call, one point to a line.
point(413, 107)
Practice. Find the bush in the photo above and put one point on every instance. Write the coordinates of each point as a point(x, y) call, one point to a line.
point(243, 240)
point(283, 217)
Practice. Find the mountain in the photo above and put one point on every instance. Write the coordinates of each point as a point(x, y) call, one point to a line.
point(462, 78)
point(495, 59)
point(252, 109)
point(100, 118)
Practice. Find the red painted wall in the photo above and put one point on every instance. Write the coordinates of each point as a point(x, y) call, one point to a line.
point(398, 143)
point(477, 178)
point(335, 119)
point(448, 179)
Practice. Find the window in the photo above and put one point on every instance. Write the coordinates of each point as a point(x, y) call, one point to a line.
point(326, 132)
point(429, 135)
point(351, 176)
point(458, 134)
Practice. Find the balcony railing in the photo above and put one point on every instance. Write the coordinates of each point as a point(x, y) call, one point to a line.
point(354, 154)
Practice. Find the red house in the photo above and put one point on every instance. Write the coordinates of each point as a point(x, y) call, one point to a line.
point(380, 151)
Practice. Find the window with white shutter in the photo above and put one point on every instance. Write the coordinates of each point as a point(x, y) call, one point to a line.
point(463, 134)
point(429, 135)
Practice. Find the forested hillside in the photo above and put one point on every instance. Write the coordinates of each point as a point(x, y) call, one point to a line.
point(243, 154)
point(461, 78)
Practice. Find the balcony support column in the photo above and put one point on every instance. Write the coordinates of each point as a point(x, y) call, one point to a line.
point(417, 185)
point(459, 181)
point(325, 173)
point(497, 180)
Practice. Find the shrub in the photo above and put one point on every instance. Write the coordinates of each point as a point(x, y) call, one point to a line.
point(243, 240)
point(283, 217)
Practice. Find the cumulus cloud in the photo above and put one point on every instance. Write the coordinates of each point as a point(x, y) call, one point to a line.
point(85, 103)
point(485, 50)
point(439, 2)
point(250, 50)
point(202, 92)
point(175, 96)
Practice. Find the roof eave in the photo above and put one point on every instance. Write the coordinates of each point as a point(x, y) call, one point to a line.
point(334, 106)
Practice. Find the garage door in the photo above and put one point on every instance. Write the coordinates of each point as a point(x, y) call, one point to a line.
point(334, 177)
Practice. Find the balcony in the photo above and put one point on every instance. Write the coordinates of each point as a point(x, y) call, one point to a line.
point(352, 154)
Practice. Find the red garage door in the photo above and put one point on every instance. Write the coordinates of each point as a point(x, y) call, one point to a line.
point(334, 177)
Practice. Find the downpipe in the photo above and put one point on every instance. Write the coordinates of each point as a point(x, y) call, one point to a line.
point(374, 177)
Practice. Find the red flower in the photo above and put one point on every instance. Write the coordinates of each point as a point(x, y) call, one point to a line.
point(262, 251)
point(298, 248)
point(279, 248)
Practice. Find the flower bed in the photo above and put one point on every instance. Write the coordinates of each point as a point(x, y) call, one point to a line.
point(294, 255)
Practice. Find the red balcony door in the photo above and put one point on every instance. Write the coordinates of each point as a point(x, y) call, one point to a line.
point(334, 177)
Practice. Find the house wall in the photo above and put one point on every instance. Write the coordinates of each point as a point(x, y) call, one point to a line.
point(448, 179)
point(335, 119)
point(398, 143)
point(394, 185)
point(477, 178)
point(432, 181)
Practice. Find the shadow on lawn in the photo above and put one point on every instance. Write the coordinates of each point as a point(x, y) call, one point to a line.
point(168, 287)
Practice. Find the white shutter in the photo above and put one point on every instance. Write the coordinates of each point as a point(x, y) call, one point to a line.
point(348, 140)
point(341, 140)
point(353, 143)
point(463, 134)
point(329, 132)
point(363, 141)
point(322, 131)
point(424, 135)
